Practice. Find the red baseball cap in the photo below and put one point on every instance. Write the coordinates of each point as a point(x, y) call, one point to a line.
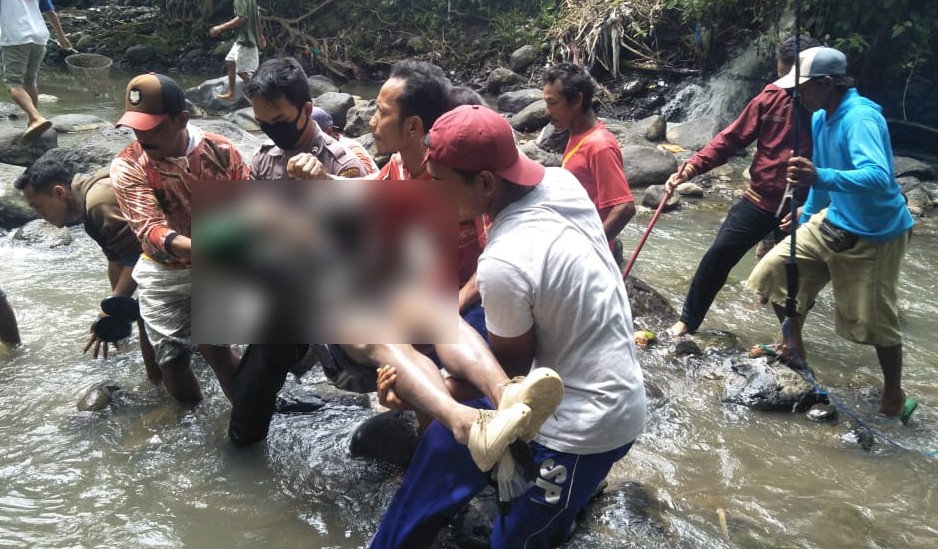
point(150, 99)
point(473, 138)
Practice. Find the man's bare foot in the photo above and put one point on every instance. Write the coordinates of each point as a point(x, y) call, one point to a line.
point(677, 330)
point(227, 96)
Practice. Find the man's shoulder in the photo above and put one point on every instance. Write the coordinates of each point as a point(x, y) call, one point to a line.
point(96, 188)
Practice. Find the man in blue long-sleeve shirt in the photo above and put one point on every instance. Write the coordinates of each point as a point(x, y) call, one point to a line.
point(855, 222)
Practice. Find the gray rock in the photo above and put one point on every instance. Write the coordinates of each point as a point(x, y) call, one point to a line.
point(246, 143)
point(99, 396)
point(86, 42)
point(14, 209)
point(19, 152)
point(205, 95)
point(193, 54)
point(195, 111)
point(337, 104)
point(523, 57)
point(319, 84)
point(501, 79)
point(539, 155)
point(391, 436)
point(221, 50)
point(695, 134)
point(531, 118)
point(83, 158)
point(358, 118)
point(646, 165)
point(112, 139)
point(649, 306)
point(245, 120)
point(41, 233)
point(654, 128)
point(11, 110)
point(553, 140)
point(140, 53)
point(767, 386)
point(909, 182)
point(690, 189)
point(73, 123)
point(632, 88)
point(514, 101)
point(653, 196)
point(417, 45)
point(905, 166)
point(918, 198)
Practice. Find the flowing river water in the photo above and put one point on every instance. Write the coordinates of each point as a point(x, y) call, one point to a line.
point(150, 473)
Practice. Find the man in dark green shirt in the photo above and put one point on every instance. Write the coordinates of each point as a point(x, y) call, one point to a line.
point(243, 57)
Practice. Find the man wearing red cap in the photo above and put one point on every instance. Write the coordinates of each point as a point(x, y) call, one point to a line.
point(152, 180)
point(547, 270)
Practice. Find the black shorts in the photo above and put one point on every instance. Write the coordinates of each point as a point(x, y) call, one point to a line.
point(344, 372)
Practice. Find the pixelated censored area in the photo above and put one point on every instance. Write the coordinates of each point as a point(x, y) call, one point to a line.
point(351, 261)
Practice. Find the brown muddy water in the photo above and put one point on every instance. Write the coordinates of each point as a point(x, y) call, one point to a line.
point(149, 473)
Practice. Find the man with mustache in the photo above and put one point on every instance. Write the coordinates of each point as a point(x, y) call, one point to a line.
point(153, 179)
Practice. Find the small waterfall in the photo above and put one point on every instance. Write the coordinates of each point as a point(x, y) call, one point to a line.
point(726, 92)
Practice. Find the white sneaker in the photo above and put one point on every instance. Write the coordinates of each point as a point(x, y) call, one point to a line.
point(493, 431)
point(541, 390)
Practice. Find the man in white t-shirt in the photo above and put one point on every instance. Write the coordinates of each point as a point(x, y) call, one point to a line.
point(23, 37)
point(553, 297)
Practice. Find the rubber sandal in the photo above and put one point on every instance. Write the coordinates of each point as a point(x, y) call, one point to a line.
point(764, 349)
point(37, 129)
point(111, 329)
point(910, 406)
point(122, 307)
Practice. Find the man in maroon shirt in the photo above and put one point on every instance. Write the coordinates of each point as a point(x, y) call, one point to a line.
point(764, 208)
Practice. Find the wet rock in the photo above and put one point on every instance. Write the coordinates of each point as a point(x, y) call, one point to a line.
point(72, 123)
point(19, 152)
point(690, 190)
point(245, 120)
point(654, 128)
point(247, 144)
point(632, 88)
point(539, 155)
point(531, 118)
point(11, 110)
point(653, 196)
point(695, 134)
point(319, 84)
point(646, 166)
point(84, 158)
point(761, 385)
point(649, 307)
point(110, 138)
point(14, 209)
point(553, 140)
point(99, 396)
point(358, 118)
point(42, 234)
point(298, 404)
point(502, 79)
point(205, 95)
point(523, 57)
point(822, 412)
point(195, 111)
point(905, 167)
point(472, 527)
point(515, 101)
point(140, 53)
point(718, 340)
point(337, 104)
point(392, 436)
point(687, 347)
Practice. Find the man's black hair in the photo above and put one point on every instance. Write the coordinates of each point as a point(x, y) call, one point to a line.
point(44, 174)
point(462, 95)
point(573, 80)
point(425, 93)
point(786, 50)
point(280, 77)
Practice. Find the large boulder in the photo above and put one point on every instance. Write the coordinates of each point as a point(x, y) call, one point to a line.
point(523, 57)
point(531, 118)
point(905, 166)
point(767, 386)
point(501, 79)
point(319, 84)
point(73, 123)
point(537, 154)
point(337, 104)
point(646, 166)
point(695, 134)
point(246, 143)
point(82, 158)
point(205, 95)
point(515, 101)
point(41, 233)
point(14, 209)
point(19, 152)
point(358, 118)
point(245, 120)
point(11, 110)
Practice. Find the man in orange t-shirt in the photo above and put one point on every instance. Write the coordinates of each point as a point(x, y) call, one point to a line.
point(592, 152)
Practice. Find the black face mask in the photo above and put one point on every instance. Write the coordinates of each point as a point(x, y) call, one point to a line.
point(285, 134)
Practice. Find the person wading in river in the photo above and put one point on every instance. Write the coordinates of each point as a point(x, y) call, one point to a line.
point(60, 194)
point(763, 209)
point(152, 180)
point(855, 224)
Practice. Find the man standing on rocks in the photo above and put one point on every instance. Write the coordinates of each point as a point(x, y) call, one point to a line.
point(153, 180)
point(60, 194)
point(23, 37)
point(592, 153)
point(855, 223)
point(764, 208)
point(243, 57)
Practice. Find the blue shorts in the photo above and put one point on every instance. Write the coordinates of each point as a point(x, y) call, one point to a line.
point(442, 478)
